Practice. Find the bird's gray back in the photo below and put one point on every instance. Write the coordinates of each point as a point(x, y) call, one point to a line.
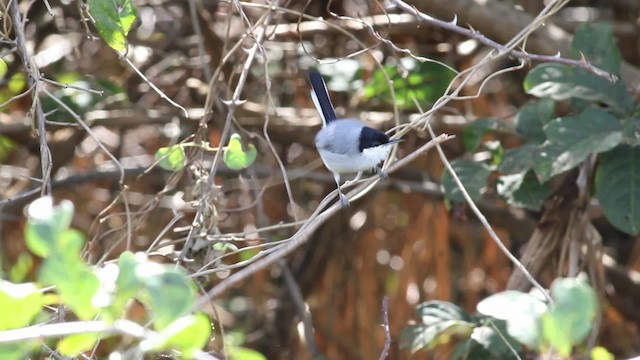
point(340, 136)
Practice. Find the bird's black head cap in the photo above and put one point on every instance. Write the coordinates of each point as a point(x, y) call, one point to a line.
point(371, 138)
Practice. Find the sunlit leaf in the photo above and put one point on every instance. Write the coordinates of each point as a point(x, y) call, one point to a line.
point(21, 303)
point(236, 157)
point(113, 19)
point(73, 345)
point(185, 334)
point(570, 317)
point(521, 311)
point(172, 158)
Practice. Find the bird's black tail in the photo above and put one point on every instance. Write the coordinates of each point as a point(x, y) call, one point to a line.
point(321, 98)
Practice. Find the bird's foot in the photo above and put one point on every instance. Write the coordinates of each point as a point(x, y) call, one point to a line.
point(383, 175)
point(343, 200)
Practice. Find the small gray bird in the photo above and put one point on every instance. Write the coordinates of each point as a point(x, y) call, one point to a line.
point(346, 145)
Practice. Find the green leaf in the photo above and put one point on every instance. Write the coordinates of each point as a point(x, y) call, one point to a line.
point(167, 291)
point(600, 353)
point(113, 19)
point(3, 68)
point(533, 116)
point(520, 310)
point(561, 82)
point(494, 340)
point(518, 159)
point(523, 190)
point(171, 158)
point(440, 321)
point(416, 337)
point(75, 282)
point(475, 131)
point(45, 224)
point(423, 81)
point(596, 42)
point(185, 334)
point(472, 175)
point(242, 353)
point(632, 131)
point(235, 157)
point(570, 317)
point(573, 138)
point(617, 186)
point(19, 350)
point(21, 303)
point(436, 310)
point(75, 344)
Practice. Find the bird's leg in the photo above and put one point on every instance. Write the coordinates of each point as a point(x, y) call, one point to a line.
point(343, 199)
point(358, 176)
point(383, 175)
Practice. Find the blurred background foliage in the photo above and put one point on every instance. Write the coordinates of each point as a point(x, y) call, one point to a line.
point(401, 240)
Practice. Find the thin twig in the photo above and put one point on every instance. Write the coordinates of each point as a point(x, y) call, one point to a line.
point(485, 223)
point(304, 233)
point(473, 34)
point(385, 326)
point(231, 107)
point(303, 313)
point(32, 80)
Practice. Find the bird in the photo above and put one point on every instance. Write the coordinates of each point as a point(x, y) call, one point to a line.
point(346, 146)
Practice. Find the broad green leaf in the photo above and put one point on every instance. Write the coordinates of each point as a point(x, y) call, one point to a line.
point(472, 175)
point(596, 43)
point(533, 116)
point(171, 158)
point(73, 345)
point(520, 310)
point(600, 353)
point(572, 139)
point(473, 133)
point(423, 81)
point(127, 283)
point(18, 350)
point(242, 353)
point(167, 291)
point(494, 340)
point(570, 317)
point(21, 303)
point(75, 282)
point(632, 131)
point(185, 334)
point(523, 190)
point(518, 159)
point(618, 187)
point(561, 82)
point(3, 68)
point(17, 83)
point(113, 19)
point(436, 310)
point(45, 224)
point(416, 337)
point(237, 158)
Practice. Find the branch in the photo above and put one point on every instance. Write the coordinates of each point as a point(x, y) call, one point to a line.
point(33, 74)
point(306, 230)
point(502, 49)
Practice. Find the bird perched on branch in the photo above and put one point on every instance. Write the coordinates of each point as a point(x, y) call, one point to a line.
point(346, 145)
